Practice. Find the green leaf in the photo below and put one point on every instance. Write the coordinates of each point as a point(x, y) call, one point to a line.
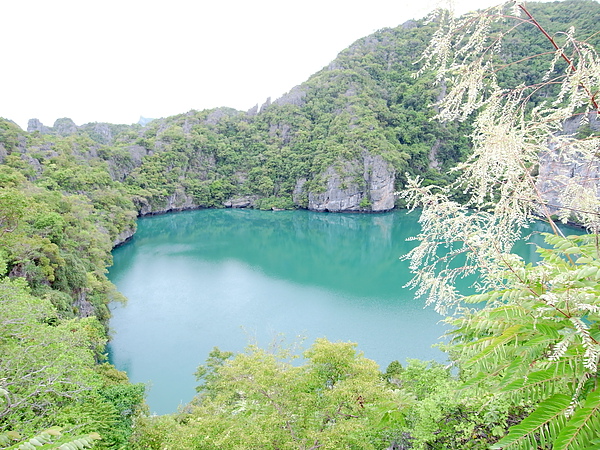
point(587, 271)
point(549, 412)
point(54, 431)
point(13, 435)
point(595, 334)
point(538, 384)
point(595, 445)
point(583, 427)
point(548, 330)
point(499, 341)
point(477, 379)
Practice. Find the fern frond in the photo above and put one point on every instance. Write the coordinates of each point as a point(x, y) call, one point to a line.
point(584, 426)
point(541, 424)
point(595, 445)
point(540, 384)
point(496, 344)
point(481, 378)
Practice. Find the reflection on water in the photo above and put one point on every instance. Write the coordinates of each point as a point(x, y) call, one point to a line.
point(206, 278)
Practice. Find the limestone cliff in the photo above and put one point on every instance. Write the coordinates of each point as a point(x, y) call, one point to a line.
point(178, 201)
point(556, 171)
point(100, 132)
point(36, 125)
point(125, 235)
point(365, 184)
point(64, 127)
point(246, 201)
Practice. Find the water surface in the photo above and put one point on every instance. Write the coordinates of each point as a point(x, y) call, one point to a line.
point(229, 277)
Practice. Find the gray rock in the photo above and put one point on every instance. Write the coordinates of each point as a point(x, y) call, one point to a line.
point(240, 202)
point(556, 171)
point(217, 114)
point(351, 182)
point(64, 127)
point(572, 125)
point(409, 25)
point(82, 305)
point(433, 160)
point(265, 105)
point(103, 132)
point(299, 195)
point(124, 236)
point(178, 201)
point(36, 125)
point(144, 121)
point(380, 178)
point(295, 97)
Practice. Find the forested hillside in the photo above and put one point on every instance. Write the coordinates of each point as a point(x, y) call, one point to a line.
point(344, 140)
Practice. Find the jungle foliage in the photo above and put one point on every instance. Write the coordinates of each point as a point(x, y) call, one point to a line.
point(533, 339)
point(335, 399)
point(68, 194)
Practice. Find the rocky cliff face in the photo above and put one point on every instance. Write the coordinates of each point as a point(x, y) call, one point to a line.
point(366, 184)
point(102, 133)
point(178, 201)
point(556, 174)
point(247, 201)
point(61, 127)
point(124, 236)
point(36, 125)
point(65, 127)
point(556, 171)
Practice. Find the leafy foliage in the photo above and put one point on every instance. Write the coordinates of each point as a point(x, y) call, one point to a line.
point(49, 373)
point(68, 194)
point(336, 399)
point(534, 342)
point(50, 437)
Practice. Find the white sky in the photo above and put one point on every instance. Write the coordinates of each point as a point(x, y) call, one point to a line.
point(116, 60)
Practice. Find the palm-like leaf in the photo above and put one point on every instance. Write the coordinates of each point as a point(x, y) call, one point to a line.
point(540, 427)
point(584, 426)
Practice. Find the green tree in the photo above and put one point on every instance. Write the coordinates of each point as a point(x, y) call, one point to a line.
point(49, 437)
point(44, 363)
point(259, 399)
point(534, 338)
point(12, 208)
point(50, 373)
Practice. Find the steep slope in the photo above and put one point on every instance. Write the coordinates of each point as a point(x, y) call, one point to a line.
point(341, 141)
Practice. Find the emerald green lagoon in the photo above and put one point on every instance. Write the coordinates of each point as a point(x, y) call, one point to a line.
point(231, 277)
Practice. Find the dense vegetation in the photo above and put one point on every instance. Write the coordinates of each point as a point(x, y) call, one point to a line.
point(68, 194)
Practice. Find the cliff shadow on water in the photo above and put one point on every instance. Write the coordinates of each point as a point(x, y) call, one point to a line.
point(349, 253)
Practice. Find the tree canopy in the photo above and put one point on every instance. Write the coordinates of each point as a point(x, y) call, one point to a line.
point(503, 97)
point(534, 336)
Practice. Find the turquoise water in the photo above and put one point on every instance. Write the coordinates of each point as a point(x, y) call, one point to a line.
point(230, 277)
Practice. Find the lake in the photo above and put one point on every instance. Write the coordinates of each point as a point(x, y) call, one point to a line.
point(231, 277)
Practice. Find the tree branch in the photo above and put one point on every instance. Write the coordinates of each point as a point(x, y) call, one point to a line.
point(562, 54)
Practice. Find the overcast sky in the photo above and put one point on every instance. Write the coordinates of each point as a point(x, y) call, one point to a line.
point(116, 60)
